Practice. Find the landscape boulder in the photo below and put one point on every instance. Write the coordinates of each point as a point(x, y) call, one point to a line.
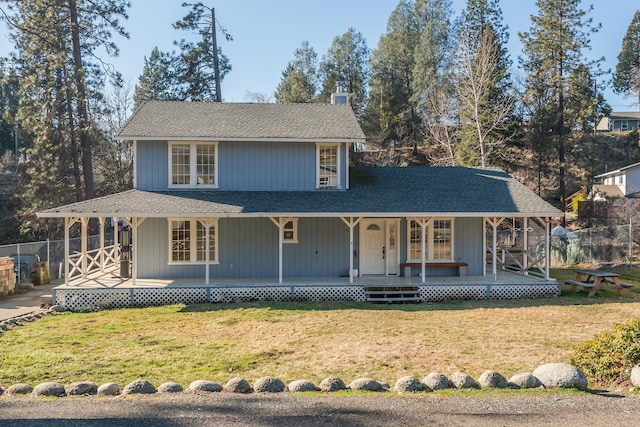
point(139, 387)
point(206, 386)
point(50, 389)
point(20, 388)
point(169, 387)
point(331, 384)
point(462, 380)
point(109, 389)
point(299, 386)
point(560, 375)
point(83, 388)
point(409, 385)
point(524, 380)
point(436, 381)
point(492, 379)
point(268, 385)
point(635, 376)
point(237, 385)
point(367, 384)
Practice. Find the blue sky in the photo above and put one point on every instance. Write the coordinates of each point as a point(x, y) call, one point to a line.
point(266, 32)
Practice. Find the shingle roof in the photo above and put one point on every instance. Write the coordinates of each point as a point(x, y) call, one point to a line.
point(411, 191)
point(222, 120)
point(625, 115)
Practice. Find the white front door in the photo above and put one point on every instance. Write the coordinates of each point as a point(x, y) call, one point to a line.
point(372, 248)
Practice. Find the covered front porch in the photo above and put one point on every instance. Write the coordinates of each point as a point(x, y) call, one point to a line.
point(107, 290)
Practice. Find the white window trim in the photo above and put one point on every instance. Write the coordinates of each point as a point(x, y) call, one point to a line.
point(193, 233)
point(429, 241)
point(338, 167)
point(193, 149)
point(295, 231)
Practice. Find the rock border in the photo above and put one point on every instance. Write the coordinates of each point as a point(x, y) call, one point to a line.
point(556, 375)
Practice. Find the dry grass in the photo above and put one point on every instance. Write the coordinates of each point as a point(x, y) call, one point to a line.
point(306, 340)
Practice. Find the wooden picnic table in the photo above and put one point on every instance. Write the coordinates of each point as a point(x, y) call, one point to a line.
point(597, 279)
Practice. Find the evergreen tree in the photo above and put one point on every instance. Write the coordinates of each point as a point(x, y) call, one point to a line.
point(553, 46)
point(627, 76)
point(391, 118)
point(299, 82)
point(158, 80)
point(483, 84)
point(8, 106)
point(347, 61)
point(59, 90)
point(201, 65)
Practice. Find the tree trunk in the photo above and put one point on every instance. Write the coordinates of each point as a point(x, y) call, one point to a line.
point(81, 101)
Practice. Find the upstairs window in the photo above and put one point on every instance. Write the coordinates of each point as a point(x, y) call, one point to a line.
point(193, 164)
point(328, 161)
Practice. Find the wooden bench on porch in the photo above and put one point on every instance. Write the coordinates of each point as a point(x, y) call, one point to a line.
point(460, 266)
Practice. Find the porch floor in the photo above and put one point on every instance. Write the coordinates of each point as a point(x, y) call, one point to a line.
point(112, 281)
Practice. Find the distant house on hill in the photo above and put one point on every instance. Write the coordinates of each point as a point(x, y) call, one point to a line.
point(619, 122)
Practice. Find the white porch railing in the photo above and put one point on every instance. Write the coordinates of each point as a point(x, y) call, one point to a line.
point(100, 259)
point(513, 259)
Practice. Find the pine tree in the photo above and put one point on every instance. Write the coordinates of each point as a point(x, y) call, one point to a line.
point(59, 89)
point(158, 80)
point(553, 46)
point(391, 118)
point(627, 76)
point(201, 65)
point(299, 82)
point(347, 61)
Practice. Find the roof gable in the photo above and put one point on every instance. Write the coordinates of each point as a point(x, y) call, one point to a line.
point(241, 121)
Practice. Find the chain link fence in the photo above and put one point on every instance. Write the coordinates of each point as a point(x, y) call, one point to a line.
point(24, 254)
point(596, 245)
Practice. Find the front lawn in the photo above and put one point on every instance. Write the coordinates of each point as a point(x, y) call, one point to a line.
point(309, 340)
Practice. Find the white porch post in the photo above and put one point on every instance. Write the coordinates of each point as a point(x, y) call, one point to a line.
point(206, 257)
point(280, 224)
point(351, 224)
point(84, 222)
point(101, 220)
point(67, 224)
point(484, 245)
point(525, 246)
point(207, 225)
point(495, 248)
point(423, 226)
point(134, 222)
point(547, 255)
point(116, 250)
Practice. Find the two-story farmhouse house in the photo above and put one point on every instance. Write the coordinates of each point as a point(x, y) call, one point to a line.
point(258, 201)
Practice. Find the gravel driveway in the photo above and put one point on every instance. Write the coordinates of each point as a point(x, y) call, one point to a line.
point(217, 409)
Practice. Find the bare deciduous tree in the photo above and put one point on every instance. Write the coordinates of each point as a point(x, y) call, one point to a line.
point(483, 112)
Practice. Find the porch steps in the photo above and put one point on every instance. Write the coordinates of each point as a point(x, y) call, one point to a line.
point(393, 294)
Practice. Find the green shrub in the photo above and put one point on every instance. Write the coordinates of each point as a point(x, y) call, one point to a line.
point(609, 356)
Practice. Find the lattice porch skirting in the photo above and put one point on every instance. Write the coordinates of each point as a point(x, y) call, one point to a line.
point(85, 299)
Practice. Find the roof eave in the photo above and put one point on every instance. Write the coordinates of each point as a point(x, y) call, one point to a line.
point(222, 139)
point(177, 214)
